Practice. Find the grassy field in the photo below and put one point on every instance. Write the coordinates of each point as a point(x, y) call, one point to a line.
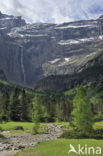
point(10, 126)
point(28, 126)
point(59, 147)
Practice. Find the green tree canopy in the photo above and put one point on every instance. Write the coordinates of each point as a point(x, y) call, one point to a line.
point(24, 106)
point(15, 107)
point(82, 114)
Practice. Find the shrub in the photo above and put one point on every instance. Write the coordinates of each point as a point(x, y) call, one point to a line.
point(36, 128)
point(98, 117)
point(78, 134)
point(73, 134)
point(1, 136)
point(1, 129)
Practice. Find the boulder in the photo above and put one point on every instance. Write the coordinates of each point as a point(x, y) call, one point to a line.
point(19, 128)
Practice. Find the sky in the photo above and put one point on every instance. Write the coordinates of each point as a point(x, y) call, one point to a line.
point(53, 11)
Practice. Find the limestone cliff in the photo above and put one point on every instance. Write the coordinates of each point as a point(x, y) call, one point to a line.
point(30, 52)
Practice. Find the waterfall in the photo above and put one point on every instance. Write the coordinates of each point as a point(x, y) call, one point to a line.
point(22, 65)
point(101, 25)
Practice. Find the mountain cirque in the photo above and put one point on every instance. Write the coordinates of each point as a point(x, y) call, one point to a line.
point(30, 52)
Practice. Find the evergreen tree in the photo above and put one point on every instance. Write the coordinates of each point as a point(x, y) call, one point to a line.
point(38, 112)
point(6, 106)
point(82, 114)
point(24, 106)
point(59, 113)
point(15, 107)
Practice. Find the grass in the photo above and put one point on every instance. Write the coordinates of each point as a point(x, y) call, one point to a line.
point(28, 126)
point(10, 126)
point(59, 147)
point(98, 125)
point(63, 124)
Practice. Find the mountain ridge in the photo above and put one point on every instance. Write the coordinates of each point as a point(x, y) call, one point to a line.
point(31, 52)
point(91, 74)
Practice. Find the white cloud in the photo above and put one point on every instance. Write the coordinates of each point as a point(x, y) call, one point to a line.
point(53, 11)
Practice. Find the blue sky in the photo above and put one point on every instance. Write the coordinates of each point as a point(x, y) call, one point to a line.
point(53, 11)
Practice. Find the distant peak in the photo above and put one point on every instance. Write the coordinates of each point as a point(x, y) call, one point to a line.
point(3, 15)
point(101, 17)
point(0, 12)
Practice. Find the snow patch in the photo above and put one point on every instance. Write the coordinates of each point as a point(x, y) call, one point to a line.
point(66, 42)
point(91, 54)
point(54, 61)
point(3, 28)
point(7, 18)
point(74, 26)
point(101, 37)
point(16, 34)
point(66, 60)
point(78, 41)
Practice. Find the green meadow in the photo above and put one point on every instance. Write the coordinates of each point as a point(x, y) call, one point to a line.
point(60, 147)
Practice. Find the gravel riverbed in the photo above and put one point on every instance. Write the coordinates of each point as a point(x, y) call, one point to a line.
point(13, 143)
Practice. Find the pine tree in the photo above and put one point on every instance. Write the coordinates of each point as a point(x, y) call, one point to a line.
point(38, 113)
point(15, 107)
point(82, 114)
point(6, 106)
point(24, 106)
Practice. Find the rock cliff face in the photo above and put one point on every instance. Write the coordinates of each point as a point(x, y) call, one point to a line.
point(90, 75)
point(2, 75)
point(7, 22)
point(30, 52)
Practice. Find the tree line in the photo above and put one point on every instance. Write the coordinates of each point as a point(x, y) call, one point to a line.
point(20, 103)
point(24, 105)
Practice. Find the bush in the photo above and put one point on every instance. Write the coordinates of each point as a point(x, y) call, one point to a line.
point(1, 136)
point(78, 134)
point(73, 134)
point(98, 117)
point(36, 128)
point(1, 129)
point(98, 134)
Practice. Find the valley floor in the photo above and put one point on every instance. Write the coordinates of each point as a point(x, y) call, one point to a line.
point(13, 142)
point(60, 147)
point(42, 144)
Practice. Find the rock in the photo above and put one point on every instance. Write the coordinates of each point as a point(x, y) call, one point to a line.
point(21, 145)
point(15, 148)
point(1, 148)
point(30, 52)
point(10, 21)
point(19, 141)
point(19, 128)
